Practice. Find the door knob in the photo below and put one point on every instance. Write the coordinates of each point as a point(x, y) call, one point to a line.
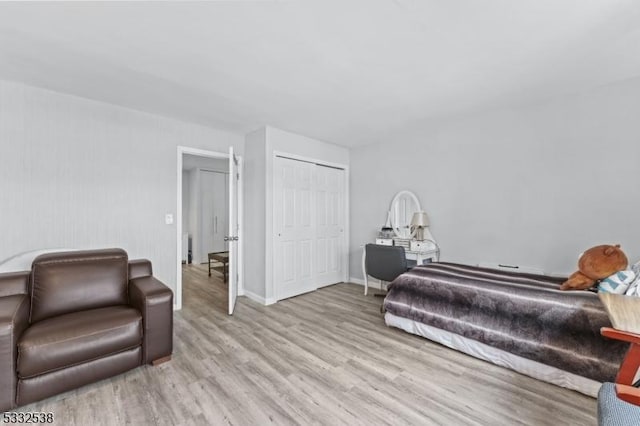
point(226, 238)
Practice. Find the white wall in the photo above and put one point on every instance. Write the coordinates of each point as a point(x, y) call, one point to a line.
point(254, 204)
point(186, 195)
point(293, 143)
point(193, 229)
point(185, 211)
point(531, 186)
point(84, 174)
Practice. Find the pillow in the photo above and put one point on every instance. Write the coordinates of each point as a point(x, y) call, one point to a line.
point(617, 283)
point(634, 287)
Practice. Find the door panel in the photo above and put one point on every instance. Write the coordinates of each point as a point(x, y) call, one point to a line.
point(330, 213)
point(289, 252)
point(294, 228)
point(305, 259)
point(232, 238)
point(322, 266)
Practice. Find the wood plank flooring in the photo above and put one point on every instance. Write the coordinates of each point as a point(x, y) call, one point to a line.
point(322, 358)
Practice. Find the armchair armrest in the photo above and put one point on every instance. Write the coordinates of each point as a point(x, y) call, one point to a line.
point(625, 336)
point(12, 283)
point(14, 319)
point(154, 300)
point(140, 268)
point(631, 362)
point(628, 394)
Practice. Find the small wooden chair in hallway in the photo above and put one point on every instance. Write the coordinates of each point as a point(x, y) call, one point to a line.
point(222, 257)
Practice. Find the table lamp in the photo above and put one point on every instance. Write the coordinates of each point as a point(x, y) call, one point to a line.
point(418, 223)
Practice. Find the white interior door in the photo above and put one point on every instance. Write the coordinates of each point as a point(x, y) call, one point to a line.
point(294, 228)
point(232, 238)
point(330, 225)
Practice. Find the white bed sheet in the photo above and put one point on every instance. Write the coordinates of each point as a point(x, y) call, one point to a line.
point(496, 356)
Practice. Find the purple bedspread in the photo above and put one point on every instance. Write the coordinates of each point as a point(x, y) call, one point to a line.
point(523, 314)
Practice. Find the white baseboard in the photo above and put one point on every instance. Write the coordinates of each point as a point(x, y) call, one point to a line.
point(257, 298)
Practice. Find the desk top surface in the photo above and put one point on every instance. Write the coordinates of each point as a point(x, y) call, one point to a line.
point(223, 255)
point(424, 252)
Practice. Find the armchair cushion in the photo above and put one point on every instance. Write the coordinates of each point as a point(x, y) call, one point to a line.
point(75, 338)
point(613, 411)
point(76, 281)
point(14, 318)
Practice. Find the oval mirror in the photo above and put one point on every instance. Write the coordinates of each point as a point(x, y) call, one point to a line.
point(403, 206)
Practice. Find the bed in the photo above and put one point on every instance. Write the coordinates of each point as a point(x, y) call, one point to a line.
point(520, 321)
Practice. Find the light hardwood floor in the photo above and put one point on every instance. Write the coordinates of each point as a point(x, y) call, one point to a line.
point(321, 358)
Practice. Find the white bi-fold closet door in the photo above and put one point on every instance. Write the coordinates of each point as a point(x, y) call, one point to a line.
point(330, 217)
point(309, 221)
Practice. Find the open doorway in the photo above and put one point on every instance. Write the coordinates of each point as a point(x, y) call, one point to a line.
point(208, 229)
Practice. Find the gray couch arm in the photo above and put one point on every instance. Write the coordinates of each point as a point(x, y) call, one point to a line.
point(154, 300)
point(14, 319)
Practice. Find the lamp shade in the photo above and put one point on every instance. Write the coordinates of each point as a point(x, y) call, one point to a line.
point(420, 220)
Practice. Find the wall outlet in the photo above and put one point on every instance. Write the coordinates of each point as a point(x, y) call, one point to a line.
point(168, 219)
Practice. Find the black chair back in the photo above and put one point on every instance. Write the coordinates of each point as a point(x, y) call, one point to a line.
point(385, 263)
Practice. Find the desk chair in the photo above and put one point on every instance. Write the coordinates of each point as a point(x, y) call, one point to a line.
point(618, 403)
point(385, 263)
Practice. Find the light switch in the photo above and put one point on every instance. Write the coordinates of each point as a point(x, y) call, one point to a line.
point(168, 219)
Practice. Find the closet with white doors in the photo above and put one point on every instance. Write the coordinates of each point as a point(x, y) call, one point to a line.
point(309, 218)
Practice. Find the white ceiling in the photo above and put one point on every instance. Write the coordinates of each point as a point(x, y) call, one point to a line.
point(349, 72)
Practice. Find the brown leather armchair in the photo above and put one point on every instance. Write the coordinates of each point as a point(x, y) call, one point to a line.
point(76, 318)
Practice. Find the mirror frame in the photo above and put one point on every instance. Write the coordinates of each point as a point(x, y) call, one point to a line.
point(397, 197)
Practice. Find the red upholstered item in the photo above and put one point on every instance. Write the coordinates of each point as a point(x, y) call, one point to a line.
point(629, 367)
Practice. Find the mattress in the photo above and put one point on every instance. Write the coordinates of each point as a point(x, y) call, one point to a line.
point(499, 357)
point(521, 314)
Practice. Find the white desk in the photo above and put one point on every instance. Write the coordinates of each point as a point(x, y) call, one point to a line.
point(421, 256)
point(418, 256)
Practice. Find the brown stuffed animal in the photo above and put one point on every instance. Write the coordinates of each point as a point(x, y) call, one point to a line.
point(595, 264)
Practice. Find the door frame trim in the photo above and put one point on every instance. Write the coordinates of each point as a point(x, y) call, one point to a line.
point(270, 240)
point(181, 150)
